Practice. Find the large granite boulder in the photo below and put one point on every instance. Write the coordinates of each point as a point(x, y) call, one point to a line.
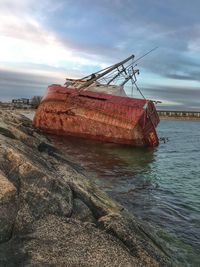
point(51, 215)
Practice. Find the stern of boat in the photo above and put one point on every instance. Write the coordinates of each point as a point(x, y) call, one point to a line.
point(150, 122)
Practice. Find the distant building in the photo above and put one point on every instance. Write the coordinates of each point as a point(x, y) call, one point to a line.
point(24, 101)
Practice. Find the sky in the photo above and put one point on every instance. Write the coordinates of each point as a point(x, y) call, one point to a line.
point(43, 42)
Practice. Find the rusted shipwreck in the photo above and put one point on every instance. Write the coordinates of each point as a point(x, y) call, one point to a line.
point(97, 107)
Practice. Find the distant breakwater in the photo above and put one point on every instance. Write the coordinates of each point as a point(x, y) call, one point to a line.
point(182, 115)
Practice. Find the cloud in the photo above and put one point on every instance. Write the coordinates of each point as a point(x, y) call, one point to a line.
point(194, 42)
point(27, 41)
point(66, 31)
point(189, 77)
point(174, 96)
point(17, 85)
point(52, 39)
point(24, 38)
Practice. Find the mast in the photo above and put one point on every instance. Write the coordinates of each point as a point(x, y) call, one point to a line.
point(118, 74)
point(129, 77)
point(106, 71)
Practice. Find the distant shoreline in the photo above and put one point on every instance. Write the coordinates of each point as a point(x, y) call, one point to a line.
point(167, 118)
point(179, 115)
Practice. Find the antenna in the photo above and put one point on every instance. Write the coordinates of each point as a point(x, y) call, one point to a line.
point(146, 54)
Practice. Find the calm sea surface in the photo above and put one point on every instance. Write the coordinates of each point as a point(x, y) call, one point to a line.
point(160, 186)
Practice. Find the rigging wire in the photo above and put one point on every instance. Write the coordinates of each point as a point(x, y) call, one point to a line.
point(145, 54)
point(138, 89)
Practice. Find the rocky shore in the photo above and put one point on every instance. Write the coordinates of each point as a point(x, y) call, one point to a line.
point(50, 215)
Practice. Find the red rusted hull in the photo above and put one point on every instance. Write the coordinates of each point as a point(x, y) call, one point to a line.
point(100, 116)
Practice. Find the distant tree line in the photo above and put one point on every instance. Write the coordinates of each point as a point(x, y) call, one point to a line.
point(35, 101)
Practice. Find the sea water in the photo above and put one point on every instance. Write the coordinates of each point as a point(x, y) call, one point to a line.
point(161, 186)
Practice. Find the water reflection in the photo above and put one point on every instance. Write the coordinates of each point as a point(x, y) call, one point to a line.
point(119, 167)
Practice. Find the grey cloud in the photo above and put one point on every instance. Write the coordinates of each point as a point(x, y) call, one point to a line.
point(16, 85)
point(140, 31)
point(191, 77)
point(135, 27)
point(187, 98)
point(141, 25)
point(171, 64)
